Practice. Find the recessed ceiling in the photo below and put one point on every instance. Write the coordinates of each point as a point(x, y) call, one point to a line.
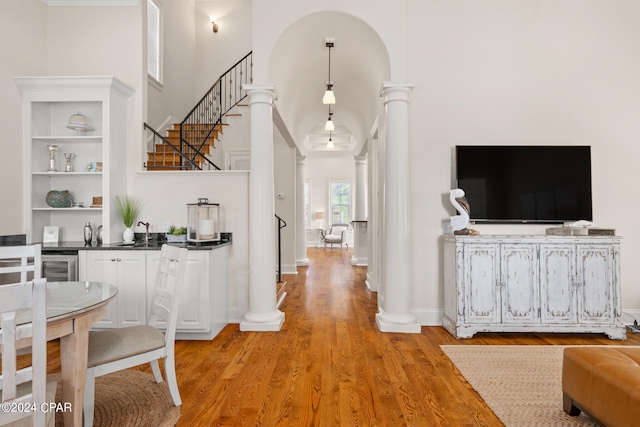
point(299, 69)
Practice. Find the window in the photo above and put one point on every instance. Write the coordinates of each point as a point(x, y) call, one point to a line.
point(340, 201)
point(154, 39)
point(307, 203)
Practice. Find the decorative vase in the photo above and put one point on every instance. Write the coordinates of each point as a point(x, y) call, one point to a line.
point(52, 157)
point(59, 199)
point(69, 165)
point(127, 236)
point(88, 233)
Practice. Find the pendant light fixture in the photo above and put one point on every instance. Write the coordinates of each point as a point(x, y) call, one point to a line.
point(330, 143)
point(329, 97)
point(329, 125)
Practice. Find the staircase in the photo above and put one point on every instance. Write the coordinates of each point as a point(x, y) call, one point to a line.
point(166, 152)
point(188, 145)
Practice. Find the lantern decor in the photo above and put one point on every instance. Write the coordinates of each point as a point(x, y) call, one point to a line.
point(204, 220)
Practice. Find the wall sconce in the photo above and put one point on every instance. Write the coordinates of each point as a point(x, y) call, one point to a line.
point(214, 24)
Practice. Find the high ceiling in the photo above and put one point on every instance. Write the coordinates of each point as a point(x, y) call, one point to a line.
point(299, 69)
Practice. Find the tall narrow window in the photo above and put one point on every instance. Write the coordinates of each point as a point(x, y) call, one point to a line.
point(154, 39)
point(340, 201)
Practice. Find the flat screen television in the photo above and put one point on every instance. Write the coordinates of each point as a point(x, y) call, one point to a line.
point(525, 184)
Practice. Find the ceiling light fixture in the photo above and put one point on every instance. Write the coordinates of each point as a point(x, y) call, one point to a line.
point(329, 97)
point(330, 143)
point(329, 125)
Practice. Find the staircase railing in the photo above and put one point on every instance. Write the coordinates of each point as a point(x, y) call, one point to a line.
point(281, 224)
point(199, 125)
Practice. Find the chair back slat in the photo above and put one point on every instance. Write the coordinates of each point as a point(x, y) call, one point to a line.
point(19, 264)
point(167, 289)
point(32, 297)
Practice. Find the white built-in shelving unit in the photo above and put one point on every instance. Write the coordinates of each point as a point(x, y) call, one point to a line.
point(48, 104)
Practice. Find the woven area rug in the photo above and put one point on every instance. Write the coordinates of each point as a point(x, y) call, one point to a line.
point(130, 398)
point(522, 384)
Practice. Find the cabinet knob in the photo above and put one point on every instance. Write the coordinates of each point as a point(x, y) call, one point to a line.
point(113, 260)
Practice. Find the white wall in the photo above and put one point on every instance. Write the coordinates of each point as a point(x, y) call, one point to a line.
point(285, 184)
point(23, 26)
point(176, 98)
point(522, 72)
point(217, 52)
point(320, 169)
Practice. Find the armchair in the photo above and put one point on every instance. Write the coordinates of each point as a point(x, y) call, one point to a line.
point(337, 235)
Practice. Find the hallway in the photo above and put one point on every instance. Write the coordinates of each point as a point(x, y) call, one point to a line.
point(328, 366)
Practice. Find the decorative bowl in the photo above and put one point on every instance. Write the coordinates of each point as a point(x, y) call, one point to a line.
point(59, 199)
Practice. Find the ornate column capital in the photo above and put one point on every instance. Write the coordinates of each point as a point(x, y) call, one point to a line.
point(360, 159)
point(265, 94)
point(396, 91)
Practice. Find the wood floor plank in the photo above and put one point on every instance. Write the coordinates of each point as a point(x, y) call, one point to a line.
point(331, 366)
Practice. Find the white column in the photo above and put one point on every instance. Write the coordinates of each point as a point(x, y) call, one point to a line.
point(360, 209)
point(374, 213)
point(263, 313)
point(301, 230)
point(394, 314)
point(360, 214)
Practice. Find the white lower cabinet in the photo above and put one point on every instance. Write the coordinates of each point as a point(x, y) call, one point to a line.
point(204, 301)
point(193, 314)
point(126, 270)
point(532, 284)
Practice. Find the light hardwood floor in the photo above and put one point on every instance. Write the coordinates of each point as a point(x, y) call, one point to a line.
point(330, 366)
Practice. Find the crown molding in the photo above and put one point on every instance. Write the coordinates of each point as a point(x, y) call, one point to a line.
point(90, 2)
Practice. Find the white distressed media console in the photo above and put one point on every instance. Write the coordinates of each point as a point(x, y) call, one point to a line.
point(532, 284)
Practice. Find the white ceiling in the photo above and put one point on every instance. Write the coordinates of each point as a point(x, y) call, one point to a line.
point(299, 70)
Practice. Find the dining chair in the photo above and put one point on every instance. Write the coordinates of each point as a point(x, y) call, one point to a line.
point(18, 264)
point(26, 387)
point(113, 350)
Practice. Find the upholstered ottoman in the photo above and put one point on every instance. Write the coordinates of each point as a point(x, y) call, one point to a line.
point(603, 382)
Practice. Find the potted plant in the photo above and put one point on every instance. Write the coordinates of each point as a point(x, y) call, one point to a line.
point(128, 208)
point(177, 234)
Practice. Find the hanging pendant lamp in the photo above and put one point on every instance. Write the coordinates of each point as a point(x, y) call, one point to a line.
point(329, 125)
point(330, 143)
point(329, 97)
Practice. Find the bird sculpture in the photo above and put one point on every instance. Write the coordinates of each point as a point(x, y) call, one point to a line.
point(459, 222)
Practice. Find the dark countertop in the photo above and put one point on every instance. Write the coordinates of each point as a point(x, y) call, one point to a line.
point(154, 244)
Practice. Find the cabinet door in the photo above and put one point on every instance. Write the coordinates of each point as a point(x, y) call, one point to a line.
point(131, 289)
point(194, 303)
point(595, 280)
point(102, 267)
point(126, 270)
point(193, 314)
point(481, 285)
point(557, 283)
point(519, 280)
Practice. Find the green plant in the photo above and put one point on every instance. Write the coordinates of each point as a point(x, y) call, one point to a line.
point(128, 209)
point(177, 231)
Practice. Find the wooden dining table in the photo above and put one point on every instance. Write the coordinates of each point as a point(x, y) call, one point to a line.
point(72, 307)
